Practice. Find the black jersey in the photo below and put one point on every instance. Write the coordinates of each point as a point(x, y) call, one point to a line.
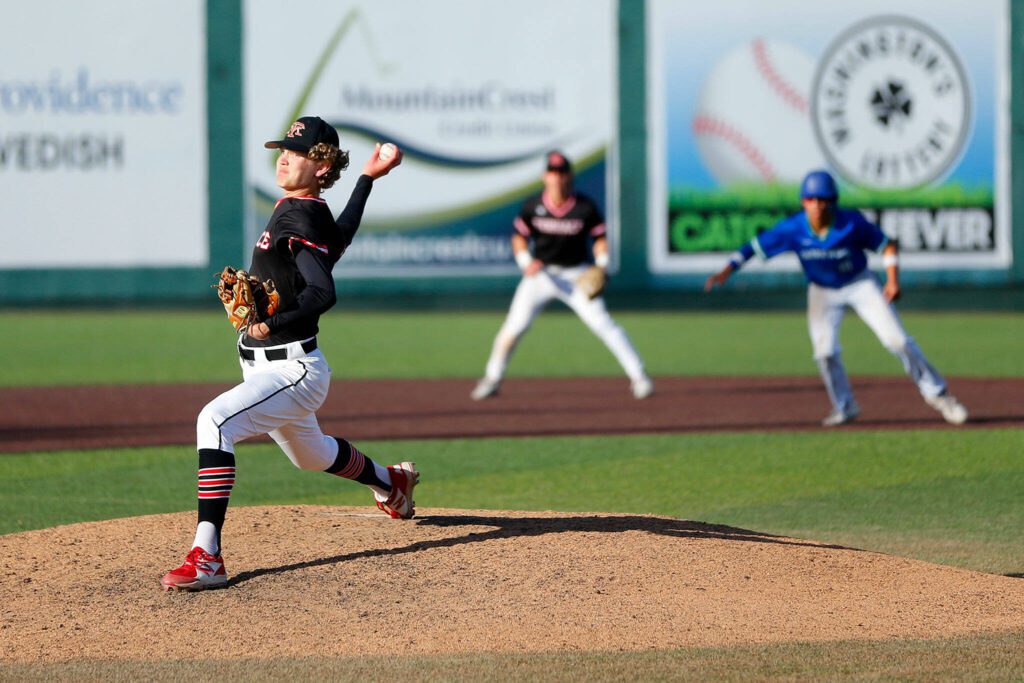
point(561, 234)
point(302, 229)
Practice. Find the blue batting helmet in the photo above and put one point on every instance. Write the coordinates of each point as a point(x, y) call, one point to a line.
point(819, 185)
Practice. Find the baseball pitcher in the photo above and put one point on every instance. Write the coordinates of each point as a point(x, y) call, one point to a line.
point(285, 374)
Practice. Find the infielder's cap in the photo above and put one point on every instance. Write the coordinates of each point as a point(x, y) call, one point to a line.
point(559, 162)
point(304, 134)
point(819, 185)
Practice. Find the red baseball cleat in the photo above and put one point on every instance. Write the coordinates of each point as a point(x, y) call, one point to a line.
point(399, 504)
point(200, 571)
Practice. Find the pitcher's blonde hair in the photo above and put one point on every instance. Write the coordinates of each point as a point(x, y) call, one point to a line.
point(323, 151)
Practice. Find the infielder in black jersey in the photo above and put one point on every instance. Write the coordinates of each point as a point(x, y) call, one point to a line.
point(555, 234)
point(286, 376)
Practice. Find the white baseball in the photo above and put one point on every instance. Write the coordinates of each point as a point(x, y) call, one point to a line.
point(387, 151)
point(752, 122)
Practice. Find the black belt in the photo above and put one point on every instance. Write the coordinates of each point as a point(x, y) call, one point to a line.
point(275, 354)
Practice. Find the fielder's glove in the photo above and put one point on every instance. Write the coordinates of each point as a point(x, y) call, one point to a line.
point(246, 299)
point(592, 281)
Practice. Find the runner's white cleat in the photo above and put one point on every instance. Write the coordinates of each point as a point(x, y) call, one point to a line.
point(841, 417)
point(953, 411)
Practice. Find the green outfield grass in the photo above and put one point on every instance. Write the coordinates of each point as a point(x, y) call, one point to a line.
point(55, 348)
point(978, 659)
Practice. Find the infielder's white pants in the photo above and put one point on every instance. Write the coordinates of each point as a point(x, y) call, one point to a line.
point(825, 309)
point(537, 291)
point(279, 398)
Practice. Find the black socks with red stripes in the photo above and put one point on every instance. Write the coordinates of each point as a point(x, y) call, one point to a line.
point(354, 465)
point(216, 479)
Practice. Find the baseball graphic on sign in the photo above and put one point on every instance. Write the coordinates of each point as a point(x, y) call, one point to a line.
point(752, 122)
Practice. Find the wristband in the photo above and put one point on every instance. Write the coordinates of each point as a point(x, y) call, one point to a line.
point(737, 259)
point(601, 260)
point(890, 260)
point(523, 259)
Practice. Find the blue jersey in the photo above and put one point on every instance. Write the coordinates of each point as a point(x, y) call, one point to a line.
point(831, 260)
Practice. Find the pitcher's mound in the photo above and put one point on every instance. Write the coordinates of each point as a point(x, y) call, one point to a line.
point(344, 581)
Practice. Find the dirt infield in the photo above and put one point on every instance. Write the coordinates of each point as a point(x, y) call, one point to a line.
point(121, 416)
point(314, 580)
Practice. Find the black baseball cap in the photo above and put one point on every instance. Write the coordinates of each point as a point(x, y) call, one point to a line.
point(559, 162)
point(304, 134)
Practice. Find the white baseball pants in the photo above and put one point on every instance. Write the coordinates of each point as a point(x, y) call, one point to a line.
point(279, 398)
point(537, 291)
point(825, 309)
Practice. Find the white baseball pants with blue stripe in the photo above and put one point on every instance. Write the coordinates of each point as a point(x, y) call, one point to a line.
point(825, 310)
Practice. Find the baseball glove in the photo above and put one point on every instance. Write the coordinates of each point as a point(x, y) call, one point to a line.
point(592, 281)
point(246, 299)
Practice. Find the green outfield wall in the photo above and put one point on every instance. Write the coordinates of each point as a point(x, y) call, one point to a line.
point(634, 285)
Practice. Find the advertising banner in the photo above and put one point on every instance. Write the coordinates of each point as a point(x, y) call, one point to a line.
point(474, 93)
point(103, 135)
point(905, 102)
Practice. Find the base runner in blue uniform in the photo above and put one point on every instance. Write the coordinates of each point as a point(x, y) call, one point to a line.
point(830, 243)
